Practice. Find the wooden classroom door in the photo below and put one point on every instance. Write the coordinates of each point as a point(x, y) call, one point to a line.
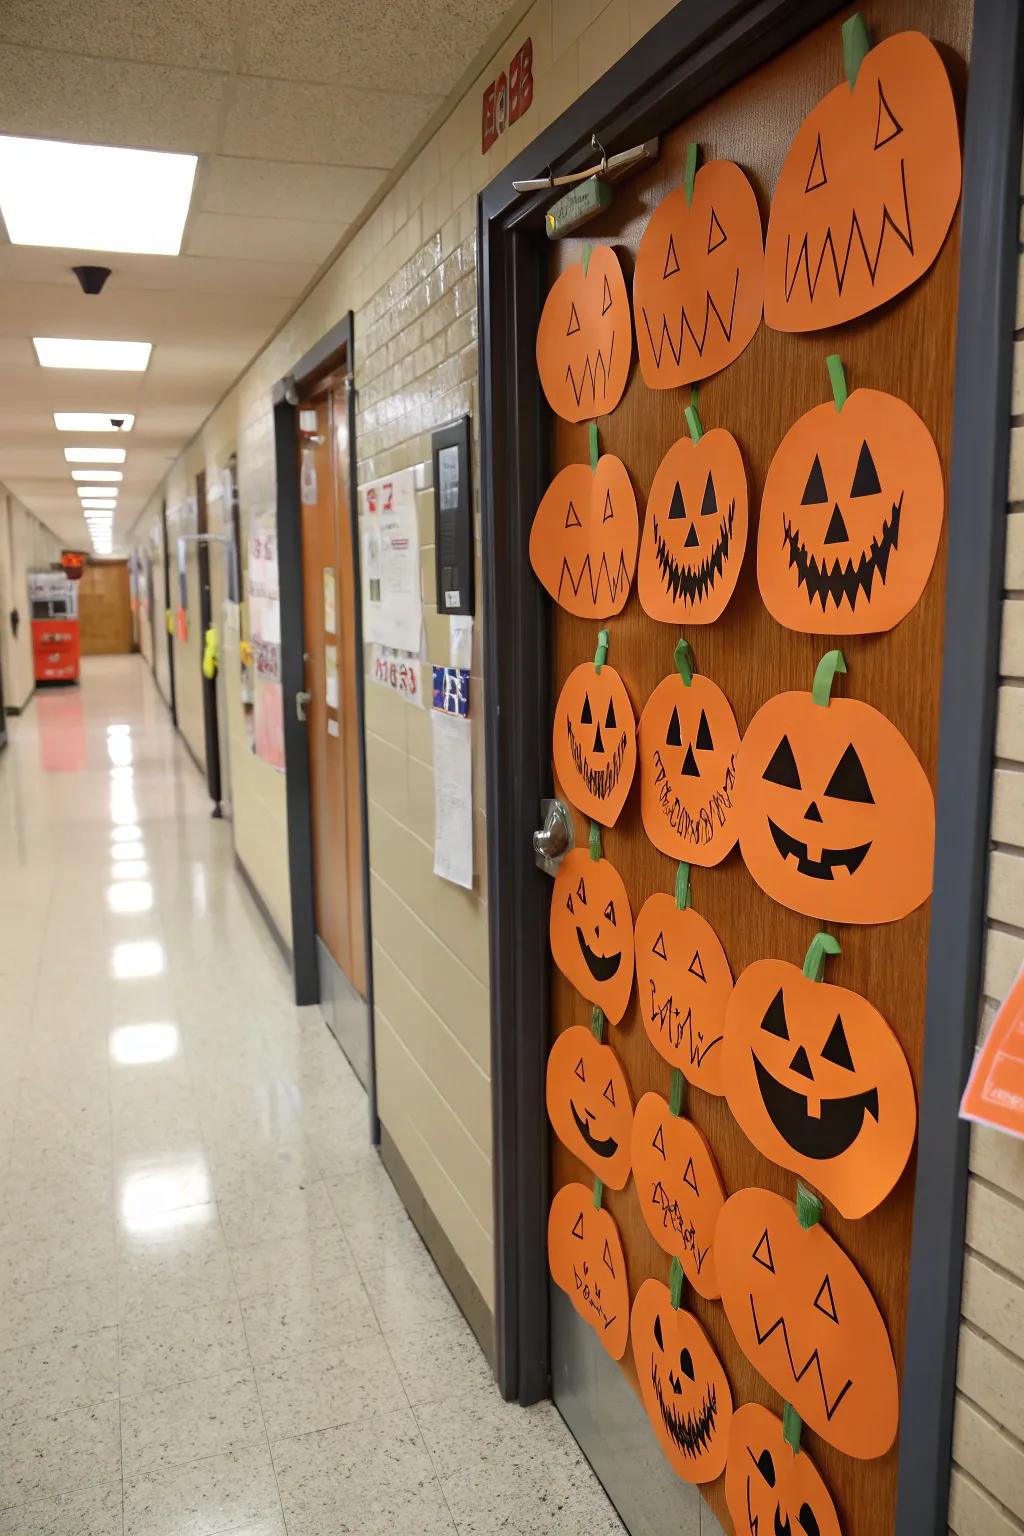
point(906, 348)
point(104, 609)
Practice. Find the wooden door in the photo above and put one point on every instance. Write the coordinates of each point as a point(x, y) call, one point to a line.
point(906, 348)
point(104, 609)
point(332, 658)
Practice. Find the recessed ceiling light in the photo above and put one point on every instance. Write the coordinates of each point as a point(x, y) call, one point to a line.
point(95, 492)
point(94, 198)
point(74, 352)
point(93, 421)
point(98, 506)
point(97, 474)
point(95, 455)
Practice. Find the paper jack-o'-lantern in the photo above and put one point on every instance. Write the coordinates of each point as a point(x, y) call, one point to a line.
point(679, 1188)
point(584, 538)
point(688, 741)
point(586, 1260)
point(836, 816)
point(591, 931)
point(585, 337)
point(806, 1320)
point(589, 1104)
point(818, 1081)
point(699, 281)
point(684, 982)
point(594, 741)
point(695, 532)
point(850, 517)
point(868, 189)
point(683, 1384)
point(770, 1487)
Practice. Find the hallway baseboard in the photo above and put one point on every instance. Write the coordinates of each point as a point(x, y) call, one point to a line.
point(264, 911)
point(19, 709)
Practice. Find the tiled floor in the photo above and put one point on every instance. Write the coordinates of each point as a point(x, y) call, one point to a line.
point(214, 1315)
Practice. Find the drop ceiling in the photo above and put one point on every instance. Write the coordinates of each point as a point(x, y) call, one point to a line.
point(297, 112)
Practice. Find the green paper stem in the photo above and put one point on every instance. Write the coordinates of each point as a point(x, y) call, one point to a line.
point(825, 675)
point(677, 1092)
point(676, 1281)
point(814, 961)
point(595, 841)
point(594, 449)
point(683, 887)
point(601, 654)
point(588, 251)
point(792, 1427)
point(597, 1024)
point(694, 422)
point(808, 1206)
point(837, 375)
point(690, 171)
point(598, 1194)
point(856, 44)
point(684, 661)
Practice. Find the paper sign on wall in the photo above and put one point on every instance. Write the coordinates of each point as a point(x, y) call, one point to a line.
point(397, 670)
point(995, 1089)
point(331, 676)
point(330, 602)
point(265, 639)
point(453, 799)
point(392, 607)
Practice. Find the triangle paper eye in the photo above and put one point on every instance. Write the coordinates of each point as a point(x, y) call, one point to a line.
point(770, 1487)
point(819, 1083)
point(695, 532)
point(688, 742)
point(679, 1189)
point(584, 538)
point(591, 931)
point(683, 1385)
point(867, 192)
point(806, 1320)
point(585, 338)
point(699, 281)
point(594, 742)
point(589, 1104)
point(684, 981)
point(586, 1260)
point(850, 517)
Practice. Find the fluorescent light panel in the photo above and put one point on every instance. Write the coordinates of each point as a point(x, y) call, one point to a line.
point(104, 491)
point(93, 197)
point(95, 455)
point(92, 421)
point(97, 474)
point(89, 505)
point(75, 352)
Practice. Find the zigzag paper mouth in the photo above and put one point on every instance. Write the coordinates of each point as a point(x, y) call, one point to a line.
point(666, 1016)
point(604, 577)
point(694, 584)
point(813, 1359)
point(690, 1433)
point(843, 581)
point(594, 369)
point(838, 266)
point(600, 782)
point(675, 341)
point(831, 858)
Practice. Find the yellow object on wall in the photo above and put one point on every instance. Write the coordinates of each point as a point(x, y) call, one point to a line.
point(210, 653)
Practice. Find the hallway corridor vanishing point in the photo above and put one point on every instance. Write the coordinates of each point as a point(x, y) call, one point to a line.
point(216, 1316)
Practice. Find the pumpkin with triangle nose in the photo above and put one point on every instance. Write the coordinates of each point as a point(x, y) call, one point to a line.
point(688, 741)
point(594, 742)
point(850, 517)
point(684, 982)
point(695, 532)
point(589, 1104)
point(586, 1260)
point(585, 338)
point(584, 538)
point(591, 931)
point(679, 1189)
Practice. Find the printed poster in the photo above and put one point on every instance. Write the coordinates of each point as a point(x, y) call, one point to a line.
point(265, 640)
point(390, 549)
point(397, 670)
point(995, 1089)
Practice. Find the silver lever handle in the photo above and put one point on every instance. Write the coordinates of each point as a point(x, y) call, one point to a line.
point(552, 839)
point(301, 700)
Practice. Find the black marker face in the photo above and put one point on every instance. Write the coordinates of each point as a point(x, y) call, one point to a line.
point(812, 815)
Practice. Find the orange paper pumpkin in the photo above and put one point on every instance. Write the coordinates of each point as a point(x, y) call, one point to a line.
point(589, 1104)
point(699, 281)
point(806, 1320)
point(679, 1188)
point(688, 745)
point(836, 816)
point(819, 1083)
point(771, 1488)
point(584, 538)
point(850, 517)
point(586, 1260)
point(591, 931)
point(867, 192)
point(695, 532)
point(594, 742)
point(684, 982)
point(683, 1384)
point(585, 338)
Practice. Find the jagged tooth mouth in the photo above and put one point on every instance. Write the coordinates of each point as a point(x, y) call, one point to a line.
point(840, 581)
point(592, 370)
point(800, 261)
point(601, 782)
point(694, 585)
point(691, 1433)
point(615, 583)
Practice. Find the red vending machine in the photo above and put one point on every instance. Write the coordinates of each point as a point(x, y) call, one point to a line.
point(54, 601)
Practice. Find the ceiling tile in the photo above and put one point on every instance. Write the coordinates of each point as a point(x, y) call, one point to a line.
point(198, 319)
point(168, 274)
point(154, 31)
point(340, 127)
point(285, 190)
point(228, 234)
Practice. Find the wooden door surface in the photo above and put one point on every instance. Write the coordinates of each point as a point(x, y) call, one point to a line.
point(104, 609)
point(907, 349)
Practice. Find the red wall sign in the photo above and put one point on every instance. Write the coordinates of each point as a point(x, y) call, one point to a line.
point(507, 98)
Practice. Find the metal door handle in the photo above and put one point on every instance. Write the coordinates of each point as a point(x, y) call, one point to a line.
point(301, 700)
point(554, 838)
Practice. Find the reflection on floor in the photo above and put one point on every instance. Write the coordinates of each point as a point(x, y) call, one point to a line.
point(214, 1314)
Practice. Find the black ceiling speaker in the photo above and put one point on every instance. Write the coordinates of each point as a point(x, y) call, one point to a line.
point(91, 279)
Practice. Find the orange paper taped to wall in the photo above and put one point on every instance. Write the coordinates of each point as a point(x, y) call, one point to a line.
point(995, 1089)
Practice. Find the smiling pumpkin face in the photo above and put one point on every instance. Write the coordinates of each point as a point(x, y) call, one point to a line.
point(695, 533)
point(589, 1104)
point(591, 931)
point(688, 742)
point(769, 1487)
point(594, 742)
point(585, 338)
point(683, 1385)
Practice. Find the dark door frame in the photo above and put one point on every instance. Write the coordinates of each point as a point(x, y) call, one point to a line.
point(208, 685)
point(331, 354)
point(694, 54)
point(172, 702)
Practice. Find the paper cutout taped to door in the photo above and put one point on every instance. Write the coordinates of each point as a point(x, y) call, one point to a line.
point(995, 1089)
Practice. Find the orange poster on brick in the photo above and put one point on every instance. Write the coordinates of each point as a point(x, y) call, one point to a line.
point(995, 1089)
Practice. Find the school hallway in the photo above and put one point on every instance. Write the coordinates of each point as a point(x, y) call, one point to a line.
point(216, 1315)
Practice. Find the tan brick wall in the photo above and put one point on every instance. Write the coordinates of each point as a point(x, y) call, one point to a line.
point(25, 544)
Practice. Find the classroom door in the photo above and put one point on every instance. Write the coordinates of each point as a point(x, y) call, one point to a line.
point(332, 658)
point(211, 727)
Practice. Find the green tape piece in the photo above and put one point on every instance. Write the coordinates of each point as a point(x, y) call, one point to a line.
point(595, 841)
point(792, 1427)
point(677, 1092)
point(856, 44)
point(694, 423)
point(588, 251)
point(597, 1023)
point(601, 654)
point(683, 887)
point(598, 1194)
point(690, 172)
point(825, 675)
point(808, 1207)
point(676, 1281)
point(814, 961)
point(684, 661)
point(594, 449)
point(837, 375)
